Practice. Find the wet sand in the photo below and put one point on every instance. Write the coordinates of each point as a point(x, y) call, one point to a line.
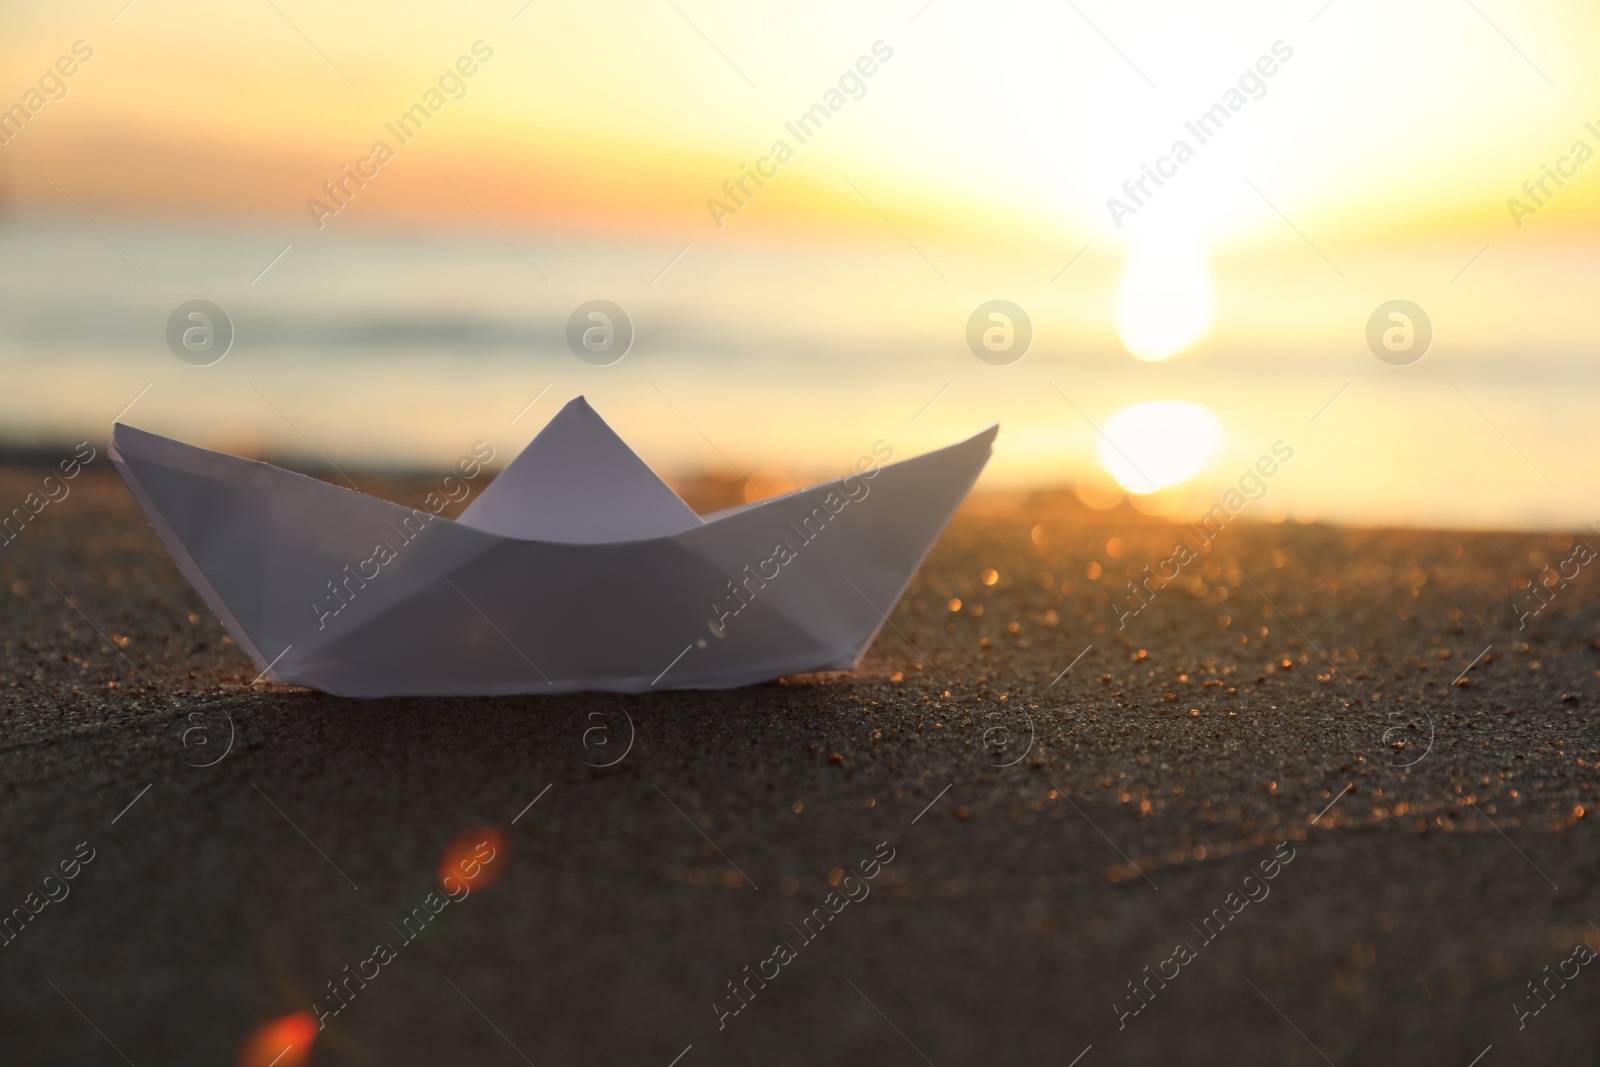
point(1308, 701)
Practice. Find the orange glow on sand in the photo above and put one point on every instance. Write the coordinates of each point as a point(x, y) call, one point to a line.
point(768, 482)
point(284, 1042)
point(476, 857)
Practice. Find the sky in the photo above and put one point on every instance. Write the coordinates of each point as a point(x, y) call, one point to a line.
point(1357, 153)
point(1023, 117)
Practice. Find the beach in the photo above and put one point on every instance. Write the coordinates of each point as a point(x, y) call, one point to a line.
point(1351, 772)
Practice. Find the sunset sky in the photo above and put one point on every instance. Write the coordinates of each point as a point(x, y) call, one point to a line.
point(1366, 152)
point(1008, 122)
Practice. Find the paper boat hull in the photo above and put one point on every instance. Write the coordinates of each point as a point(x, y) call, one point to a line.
point(327, 588)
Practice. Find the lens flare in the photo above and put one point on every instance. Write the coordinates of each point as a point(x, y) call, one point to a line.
point(476, 857)
point(1160, 443)
point(1166, 304)
point(284, 1042)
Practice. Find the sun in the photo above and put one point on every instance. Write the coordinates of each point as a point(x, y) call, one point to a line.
point(1166, 303)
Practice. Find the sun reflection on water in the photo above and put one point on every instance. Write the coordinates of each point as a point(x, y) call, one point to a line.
point(1159, 443)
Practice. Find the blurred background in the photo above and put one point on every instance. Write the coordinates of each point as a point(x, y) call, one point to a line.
point(780, 329)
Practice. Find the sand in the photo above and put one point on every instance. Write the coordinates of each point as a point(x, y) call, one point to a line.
point(1294, 693)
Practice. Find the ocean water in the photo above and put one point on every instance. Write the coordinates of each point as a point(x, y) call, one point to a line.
point(404, 348)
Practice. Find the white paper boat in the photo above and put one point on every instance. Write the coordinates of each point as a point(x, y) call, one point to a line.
point(576, 568)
